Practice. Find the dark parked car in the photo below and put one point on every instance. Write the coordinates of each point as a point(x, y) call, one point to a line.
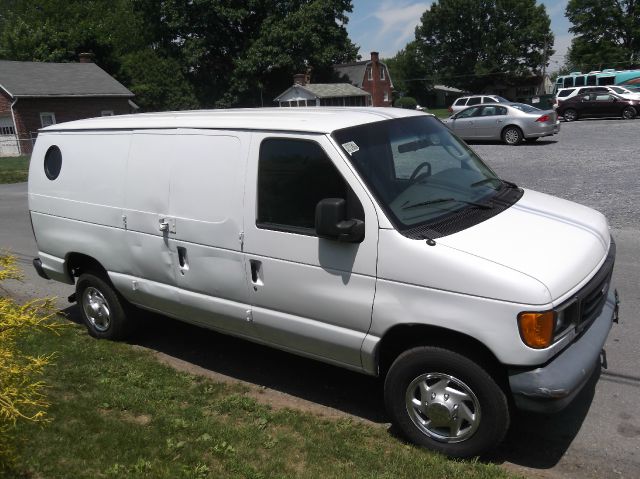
point(598, 104)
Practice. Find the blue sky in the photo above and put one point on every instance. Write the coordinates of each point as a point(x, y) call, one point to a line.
point(386, 26)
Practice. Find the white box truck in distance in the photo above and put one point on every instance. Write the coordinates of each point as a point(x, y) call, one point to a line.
point(372, 239)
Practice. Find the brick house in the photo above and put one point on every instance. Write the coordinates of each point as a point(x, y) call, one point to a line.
point(36, 94)
point(370, 75)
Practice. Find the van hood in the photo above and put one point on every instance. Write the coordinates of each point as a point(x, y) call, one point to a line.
point(555, 241)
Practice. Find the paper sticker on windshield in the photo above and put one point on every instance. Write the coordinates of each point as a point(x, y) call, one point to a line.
point(350, 147)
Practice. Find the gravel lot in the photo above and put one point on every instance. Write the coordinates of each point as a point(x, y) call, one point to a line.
point(591, 162)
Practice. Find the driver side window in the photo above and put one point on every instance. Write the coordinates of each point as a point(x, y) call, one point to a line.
point(293, 176)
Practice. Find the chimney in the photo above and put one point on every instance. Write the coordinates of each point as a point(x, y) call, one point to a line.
point(85, 57)
point(374, 57)
point(300, 79)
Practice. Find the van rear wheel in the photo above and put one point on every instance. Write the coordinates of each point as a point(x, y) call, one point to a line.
point(444, 401)
point(103, 310)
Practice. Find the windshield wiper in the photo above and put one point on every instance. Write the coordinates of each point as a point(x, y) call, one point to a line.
point(447, 200)
point(489, 180)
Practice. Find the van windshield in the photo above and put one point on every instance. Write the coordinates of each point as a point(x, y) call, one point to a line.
point(423, 175)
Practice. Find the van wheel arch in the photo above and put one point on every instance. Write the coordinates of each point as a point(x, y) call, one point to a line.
point(403, 337)
point(78, 263)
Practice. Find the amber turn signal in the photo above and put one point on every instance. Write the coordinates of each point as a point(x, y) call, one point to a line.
point(536, 328)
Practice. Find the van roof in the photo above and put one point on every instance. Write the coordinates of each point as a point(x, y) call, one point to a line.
point(310, 119)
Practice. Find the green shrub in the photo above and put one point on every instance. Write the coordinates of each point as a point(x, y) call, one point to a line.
point(406, 102)
point(21, 392)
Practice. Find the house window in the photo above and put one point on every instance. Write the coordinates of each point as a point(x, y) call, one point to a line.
point(382, 73)
point(369, 74)
point(47, 119)
point(106, 113)
point(386, 96)
point(6, 126)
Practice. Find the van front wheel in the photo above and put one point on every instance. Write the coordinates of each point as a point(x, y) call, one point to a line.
point(103, 310)
point(443, 401)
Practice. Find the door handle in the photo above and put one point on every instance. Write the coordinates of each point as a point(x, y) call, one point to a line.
point(256, 273)
point(183, 261)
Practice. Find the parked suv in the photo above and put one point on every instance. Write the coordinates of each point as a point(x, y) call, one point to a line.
point(564, 94)
point(465, 101)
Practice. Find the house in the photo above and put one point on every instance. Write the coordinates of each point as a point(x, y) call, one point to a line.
point(370, 75)
point(521, 89)
point(305, 93)
point(441, 96)
point(37, 94)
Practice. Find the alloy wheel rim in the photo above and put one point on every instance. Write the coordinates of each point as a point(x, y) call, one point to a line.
point(443, 407)
point(96, 309)
point(512, 136)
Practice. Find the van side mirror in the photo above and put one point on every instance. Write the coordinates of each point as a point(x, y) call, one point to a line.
point(331, 222)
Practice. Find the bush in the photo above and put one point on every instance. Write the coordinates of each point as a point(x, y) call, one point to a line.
point(21, 393)
point(406, 102)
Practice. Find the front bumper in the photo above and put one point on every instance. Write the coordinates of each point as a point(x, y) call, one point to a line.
point(552, 387)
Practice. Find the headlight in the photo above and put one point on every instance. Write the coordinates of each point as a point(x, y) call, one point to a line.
point(537, 328)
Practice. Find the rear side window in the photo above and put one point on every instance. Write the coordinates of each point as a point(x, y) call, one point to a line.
point(293, 176)
point(474, 101)
point(52, 162)
point(565, 93)
point(460, 102)
point(488, 99)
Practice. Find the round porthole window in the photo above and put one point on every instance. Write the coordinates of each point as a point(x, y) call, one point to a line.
point(52, 162)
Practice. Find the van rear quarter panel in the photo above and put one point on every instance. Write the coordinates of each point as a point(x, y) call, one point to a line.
point(81, 209)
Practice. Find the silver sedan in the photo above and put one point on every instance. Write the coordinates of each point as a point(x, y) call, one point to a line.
point(511, 123)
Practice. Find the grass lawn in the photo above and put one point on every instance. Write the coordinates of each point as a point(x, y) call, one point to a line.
point(440, 112)
point(118, 413)
point(14, 169)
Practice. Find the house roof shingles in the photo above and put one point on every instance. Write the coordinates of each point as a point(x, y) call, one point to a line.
point(40, 79)
point(326, 90)
point(330, 90)
point(354, 71)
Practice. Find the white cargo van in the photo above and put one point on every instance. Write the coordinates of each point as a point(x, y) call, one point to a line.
point(372, 239)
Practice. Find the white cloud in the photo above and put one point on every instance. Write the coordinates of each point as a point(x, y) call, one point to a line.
point(398, 21)
point(561, 45)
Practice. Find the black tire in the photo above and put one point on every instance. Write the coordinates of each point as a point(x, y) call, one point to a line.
point(103, 310)
point(512, 135)
point(570, 114)
point(487, 407)
point(629, 113)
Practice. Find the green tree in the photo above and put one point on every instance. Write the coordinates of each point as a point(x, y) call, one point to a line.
point(607, 34)
point(112, 30)
point(222, 52)
point(474, 43)
point(411, 75)
point(238, 50)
